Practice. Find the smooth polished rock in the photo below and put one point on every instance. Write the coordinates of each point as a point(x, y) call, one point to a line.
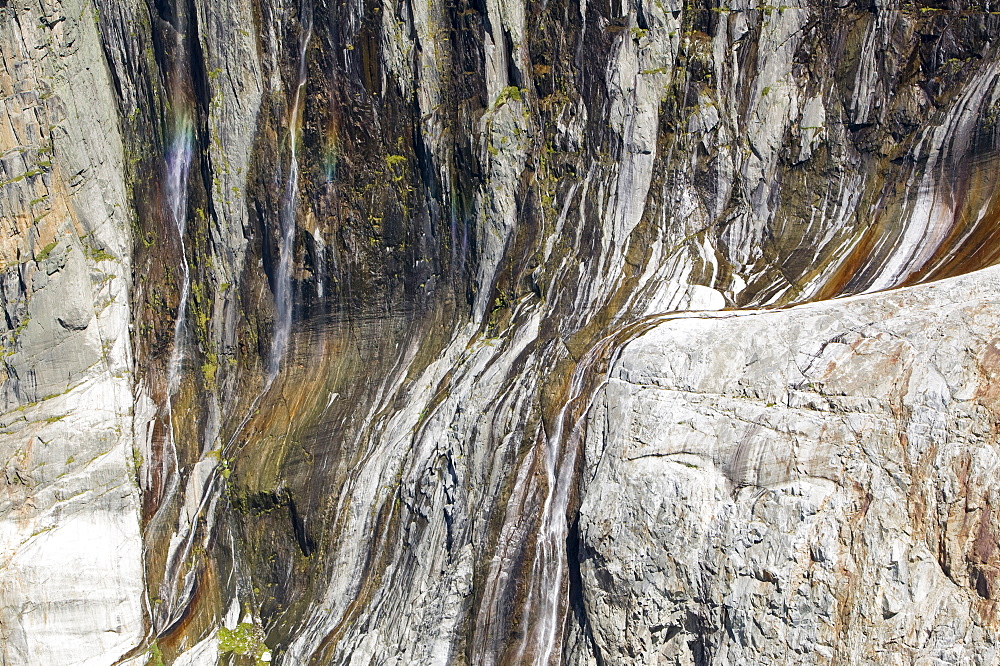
point(71, 552)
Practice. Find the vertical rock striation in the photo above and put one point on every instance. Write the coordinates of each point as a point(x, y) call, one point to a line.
point(357, 331)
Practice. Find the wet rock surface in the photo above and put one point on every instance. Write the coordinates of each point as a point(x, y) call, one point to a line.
point(334, 332)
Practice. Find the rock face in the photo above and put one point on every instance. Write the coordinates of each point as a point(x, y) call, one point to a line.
point(812, 485)
point(354, 332)
point(71, 554)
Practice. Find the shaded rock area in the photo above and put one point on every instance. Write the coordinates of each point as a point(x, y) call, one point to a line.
point(365, 332)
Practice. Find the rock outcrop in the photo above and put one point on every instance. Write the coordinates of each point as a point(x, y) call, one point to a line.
point(812, 485)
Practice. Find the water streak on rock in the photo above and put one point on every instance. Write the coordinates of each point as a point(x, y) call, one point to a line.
point(178, 165)
point(283, 280)
point(545, 603)
point(936, 202)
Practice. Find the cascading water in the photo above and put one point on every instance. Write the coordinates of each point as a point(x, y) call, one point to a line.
point(177, 590)
point(283, 279)
point(320, 263)
point(177, 159)
point(178, 166)
point(546, 601)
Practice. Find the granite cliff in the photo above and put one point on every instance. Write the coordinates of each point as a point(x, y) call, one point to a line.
point(499, 332)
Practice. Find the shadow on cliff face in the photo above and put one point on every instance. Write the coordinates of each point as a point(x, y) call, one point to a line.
point(485, 192)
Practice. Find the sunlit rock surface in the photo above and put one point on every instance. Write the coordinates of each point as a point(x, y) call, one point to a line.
point(812, 485)
point(335, 332)
point(71, 553)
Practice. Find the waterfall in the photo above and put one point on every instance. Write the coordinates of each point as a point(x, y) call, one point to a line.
point(320, 264)
point(178, 166)
point(201, 498)
point(546, 601)
point(283, 280)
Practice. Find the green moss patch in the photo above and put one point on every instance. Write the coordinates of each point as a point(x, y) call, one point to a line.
point(246, 640)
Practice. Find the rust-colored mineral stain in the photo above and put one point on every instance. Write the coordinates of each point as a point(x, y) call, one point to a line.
point(855, 262)
point(988, 390)
point(972, 243)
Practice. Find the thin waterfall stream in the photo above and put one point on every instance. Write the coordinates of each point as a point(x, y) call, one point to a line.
point(181, 543)
point(547, 600)
point(178, 163)
point(283, 280)
point(177, 159)
point(178, 167)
